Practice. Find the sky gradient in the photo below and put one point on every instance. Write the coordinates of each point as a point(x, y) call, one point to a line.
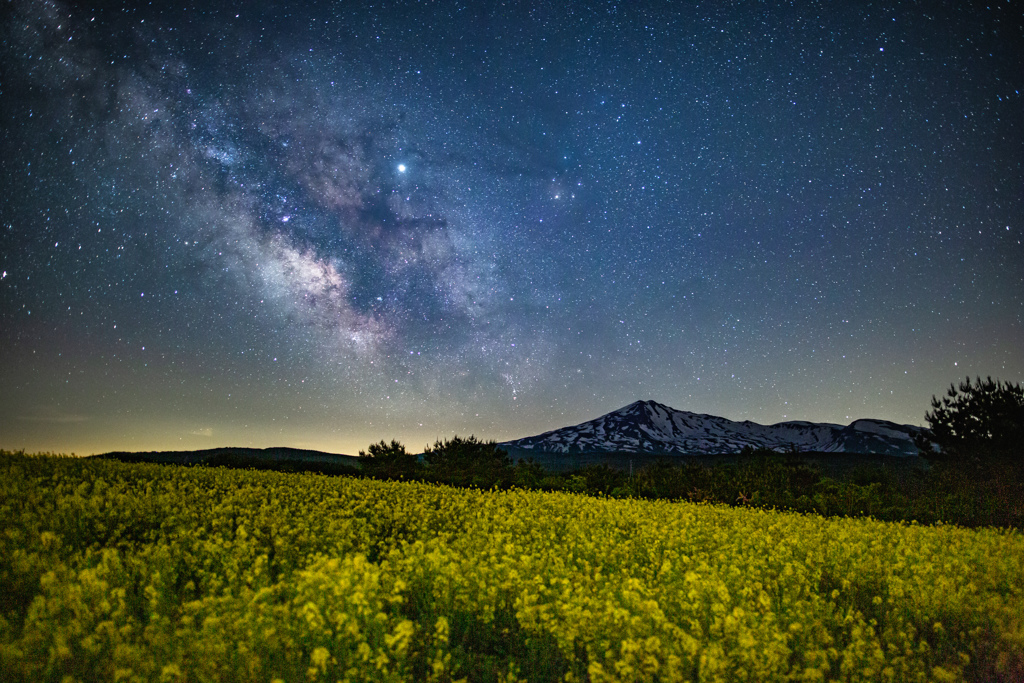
point(324, 224)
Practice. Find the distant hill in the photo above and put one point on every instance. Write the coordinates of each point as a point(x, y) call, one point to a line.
point(650, 428)
point(259, 458)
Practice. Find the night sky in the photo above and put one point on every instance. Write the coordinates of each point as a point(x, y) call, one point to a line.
point(322, 224)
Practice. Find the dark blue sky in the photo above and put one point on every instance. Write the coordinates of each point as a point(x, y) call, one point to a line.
point(326, 224)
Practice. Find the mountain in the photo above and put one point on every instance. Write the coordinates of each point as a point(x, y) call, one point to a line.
point(647, 427)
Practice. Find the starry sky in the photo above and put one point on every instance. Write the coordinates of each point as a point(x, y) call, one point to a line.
point(322, 224)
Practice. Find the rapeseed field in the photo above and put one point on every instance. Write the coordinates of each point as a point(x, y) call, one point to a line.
point(136, 572)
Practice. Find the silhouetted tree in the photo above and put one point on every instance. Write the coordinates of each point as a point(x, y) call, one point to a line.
point(978, 422)
point(468, 462)
point(389, 461)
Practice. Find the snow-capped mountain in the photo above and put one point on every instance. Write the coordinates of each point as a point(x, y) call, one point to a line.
point(650, 427)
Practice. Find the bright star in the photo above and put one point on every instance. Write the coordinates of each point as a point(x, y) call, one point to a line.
point(401, 168)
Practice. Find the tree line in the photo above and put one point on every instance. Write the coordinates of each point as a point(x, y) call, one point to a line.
point(973, 446)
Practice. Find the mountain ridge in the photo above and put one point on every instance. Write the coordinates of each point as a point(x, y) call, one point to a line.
point(649, 427)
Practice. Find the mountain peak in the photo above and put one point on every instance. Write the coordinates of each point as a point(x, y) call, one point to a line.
point(646, 426)
point(646, 406)
point(638, 405)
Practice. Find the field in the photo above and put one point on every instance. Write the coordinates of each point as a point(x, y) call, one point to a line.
point(138, 572)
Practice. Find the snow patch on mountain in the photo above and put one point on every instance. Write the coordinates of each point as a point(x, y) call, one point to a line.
point(651, 427)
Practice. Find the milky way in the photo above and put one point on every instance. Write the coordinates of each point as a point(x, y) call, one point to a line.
point(323, 224)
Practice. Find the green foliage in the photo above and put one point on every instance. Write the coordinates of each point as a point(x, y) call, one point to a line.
point(976, 423)
point(528, 474)
point(389, 461)
point(896, 491)
point(468, 462)
point(136, 572)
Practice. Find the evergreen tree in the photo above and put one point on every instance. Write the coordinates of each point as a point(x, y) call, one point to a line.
point(389, 461)
point(468, 462)
point(978, 422)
